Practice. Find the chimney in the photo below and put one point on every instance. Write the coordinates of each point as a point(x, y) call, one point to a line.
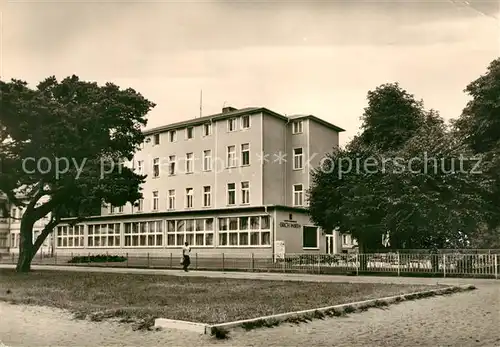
point(228, 109)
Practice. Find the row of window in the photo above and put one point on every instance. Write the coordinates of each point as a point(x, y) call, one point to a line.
point(231, 231)
point(231, 160)
point(207, 201)
point(232, 125)
point(189, 200)
point(207, 161)
point(17, 213)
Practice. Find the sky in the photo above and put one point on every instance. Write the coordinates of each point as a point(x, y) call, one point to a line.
point(293, 57)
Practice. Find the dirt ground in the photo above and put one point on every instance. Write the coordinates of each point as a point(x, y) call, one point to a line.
point(464, 319)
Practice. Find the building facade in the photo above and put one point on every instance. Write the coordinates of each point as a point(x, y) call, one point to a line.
point(233, 182)
point(14, 237)
point(4, 229)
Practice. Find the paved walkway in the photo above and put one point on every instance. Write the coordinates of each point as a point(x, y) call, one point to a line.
point(269, 275)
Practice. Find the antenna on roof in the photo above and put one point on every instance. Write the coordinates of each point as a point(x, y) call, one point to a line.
point(201, 102)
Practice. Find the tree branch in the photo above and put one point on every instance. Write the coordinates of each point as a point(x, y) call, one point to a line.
point(49, 227)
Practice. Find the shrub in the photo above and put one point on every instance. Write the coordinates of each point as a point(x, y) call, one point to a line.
point(219, 333)
point(101, 258)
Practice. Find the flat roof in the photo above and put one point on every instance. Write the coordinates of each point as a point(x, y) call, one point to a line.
point(189, 213)
point(234, 113)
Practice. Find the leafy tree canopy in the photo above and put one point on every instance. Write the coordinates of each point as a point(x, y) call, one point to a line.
point(479, 126)
point(390, 108)
point(479, 123)
point(60, 148)
point(406, 174)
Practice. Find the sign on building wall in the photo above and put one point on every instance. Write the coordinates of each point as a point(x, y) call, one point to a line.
point(279, 250)
point(290, 224)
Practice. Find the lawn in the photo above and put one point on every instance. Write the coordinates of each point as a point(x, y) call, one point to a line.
point(198, 299)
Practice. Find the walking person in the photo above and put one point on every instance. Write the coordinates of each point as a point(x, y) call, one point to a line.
point(186, 261)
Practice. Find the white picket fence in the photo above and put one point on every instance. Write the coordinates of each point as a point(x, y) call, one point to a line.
point(401, 264)
point(467, 265)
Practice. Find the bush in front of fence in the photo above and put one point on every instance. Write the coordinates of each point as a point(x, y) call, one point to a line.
point(101, 258)
point(314, 259)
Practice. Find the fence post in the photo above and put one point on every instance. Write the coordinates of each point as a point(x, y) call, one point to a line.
point(253, 262)
point(444, 265)
point(496, 266)
point(223, 262)
point(399, 266)
point(357, 264)
point(319, 263)
point(171, 261)
point(148, 261)
point(107, 258)
point(126, 254)
point(196, 261)
point(55, 259)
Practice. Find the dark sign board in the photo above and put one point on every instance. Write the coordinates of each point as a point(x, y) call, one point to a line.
point(289, 224)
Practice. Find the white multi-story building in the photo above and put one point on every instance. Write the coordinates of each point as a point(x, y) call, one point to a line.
point(231, 182)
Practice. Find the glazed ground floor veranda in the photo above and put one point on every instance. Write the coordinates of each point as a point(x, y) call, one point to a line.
point(263, 231)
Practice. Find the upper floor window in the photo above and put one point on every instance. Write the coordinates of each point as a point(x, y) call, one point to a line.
point(171, 165)
point(139, 205)
point(189, 197)
point(231, 193)
point(140, 166)
point(231, 156)
point(172, 136)
point(207, 129)
point(298, 195)
point(207, 160)
point(297, 127)
point(155, 200)
point(245, 192)
point(245, 154)
point(189, 133)
point(298, 158)
point(245, 122)
point(171, 199)
point(156, 167)
point(156, 139)
point(189, 162)
point(231, 124)
point(207, 196)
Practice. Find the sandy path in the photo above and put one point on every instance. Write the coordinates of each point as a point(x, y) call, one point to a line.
point(465, 319)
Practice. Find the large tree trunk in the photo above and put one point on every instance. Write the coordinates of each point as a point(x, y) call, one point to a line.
point(25, 257)
point(26, 248)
